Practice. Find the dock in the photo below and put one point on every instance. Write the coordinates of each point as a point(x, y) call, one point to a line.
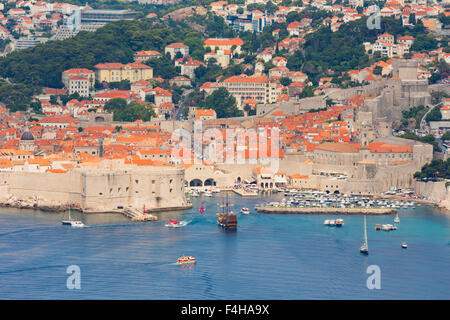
point(136, 215)
point(327, 210)
point(244, 193)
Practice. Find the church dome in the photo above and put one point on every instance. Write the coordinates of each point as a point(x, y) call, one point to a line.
point(27, 136)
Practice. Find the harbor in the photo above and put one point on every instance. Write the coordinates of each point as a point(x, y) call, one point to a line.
point(295, 254)
point(327, 210)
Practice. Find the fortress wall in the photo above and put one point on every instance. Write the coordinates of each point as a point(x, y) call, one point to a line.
point(396, 176)
point(434, 191)
point(340, 94)
point(47, 187)
point(156, 187)
point(291, 163)
point(99, 190)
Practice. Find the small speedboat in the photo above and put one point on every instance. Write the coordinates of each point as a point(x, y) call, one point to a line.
point(404, 245)
point(339, 222)
point(174, 223)
point(245, 211)
point(208, 194)
point(195, 194)
point(326, 222)
point(397, 219)
point(186, 260)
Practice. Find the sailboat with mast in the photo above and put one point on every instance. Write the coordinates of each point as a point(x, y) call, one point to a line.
point(364, 249)
point(72, 222)
point(397, 219)
point(227, 219)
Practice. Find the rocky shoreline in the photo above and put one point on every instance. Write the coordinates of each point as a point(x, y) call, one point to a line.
point(37, 205)
point(46, 206)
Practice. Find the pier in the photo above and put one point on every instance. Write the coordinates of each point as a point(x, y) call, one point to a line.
point(327, 210)
point(136, 215)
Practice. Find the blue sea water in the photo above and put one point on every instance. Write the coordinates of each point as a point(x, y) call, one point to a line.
point(271, 256)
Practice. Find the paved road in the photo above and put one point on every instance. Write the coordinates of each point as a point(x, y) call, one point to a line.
point(423, 122)
point(178, 114)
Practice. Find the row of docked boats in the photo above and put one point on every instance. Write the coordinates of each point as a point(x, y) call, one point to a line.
point(311, 199)
point(205, 192)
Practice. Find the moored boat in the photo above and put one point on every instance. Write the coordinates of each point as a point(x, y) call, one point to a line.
point(245, 211)
point(339, 222)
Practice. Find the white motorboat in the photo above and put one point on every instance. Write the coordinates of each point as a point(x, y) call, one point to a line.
point(245, 211)
point(397, 219)
point(404, 245)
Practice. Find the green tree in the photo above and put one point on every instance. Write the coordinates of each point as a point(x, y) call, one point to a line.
point(129, 112)
point(285, 81)
point(434, 115)
point(223, 103)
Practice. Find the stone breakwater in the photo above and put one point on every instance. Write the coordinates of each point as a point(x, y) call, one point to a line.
point(312, 210)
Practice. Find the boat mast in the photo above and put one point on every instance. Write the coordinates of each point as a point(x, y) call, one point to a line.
point(365, 234)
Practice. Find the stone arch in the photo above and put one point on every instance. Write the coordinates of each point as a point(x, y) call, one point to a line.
point(336, 192)
point(209, 182)
point(99, 119)
point(196, 183)
point(238, 180)
point(262, 184)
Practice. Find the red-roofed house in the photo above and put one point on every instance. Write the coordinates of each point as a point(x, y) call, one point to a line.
point(174, 48)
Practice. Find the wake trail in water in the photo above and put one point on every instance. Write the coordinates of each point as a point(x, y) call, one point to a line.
point(24, 231)
point(33, 269)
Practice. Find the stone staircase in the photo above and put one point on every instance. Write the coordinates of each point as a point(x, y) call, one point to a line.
point(136, 215)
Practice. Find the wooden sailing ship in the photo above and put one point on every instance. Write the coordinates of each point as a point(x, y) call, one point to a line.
point(227, 219)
